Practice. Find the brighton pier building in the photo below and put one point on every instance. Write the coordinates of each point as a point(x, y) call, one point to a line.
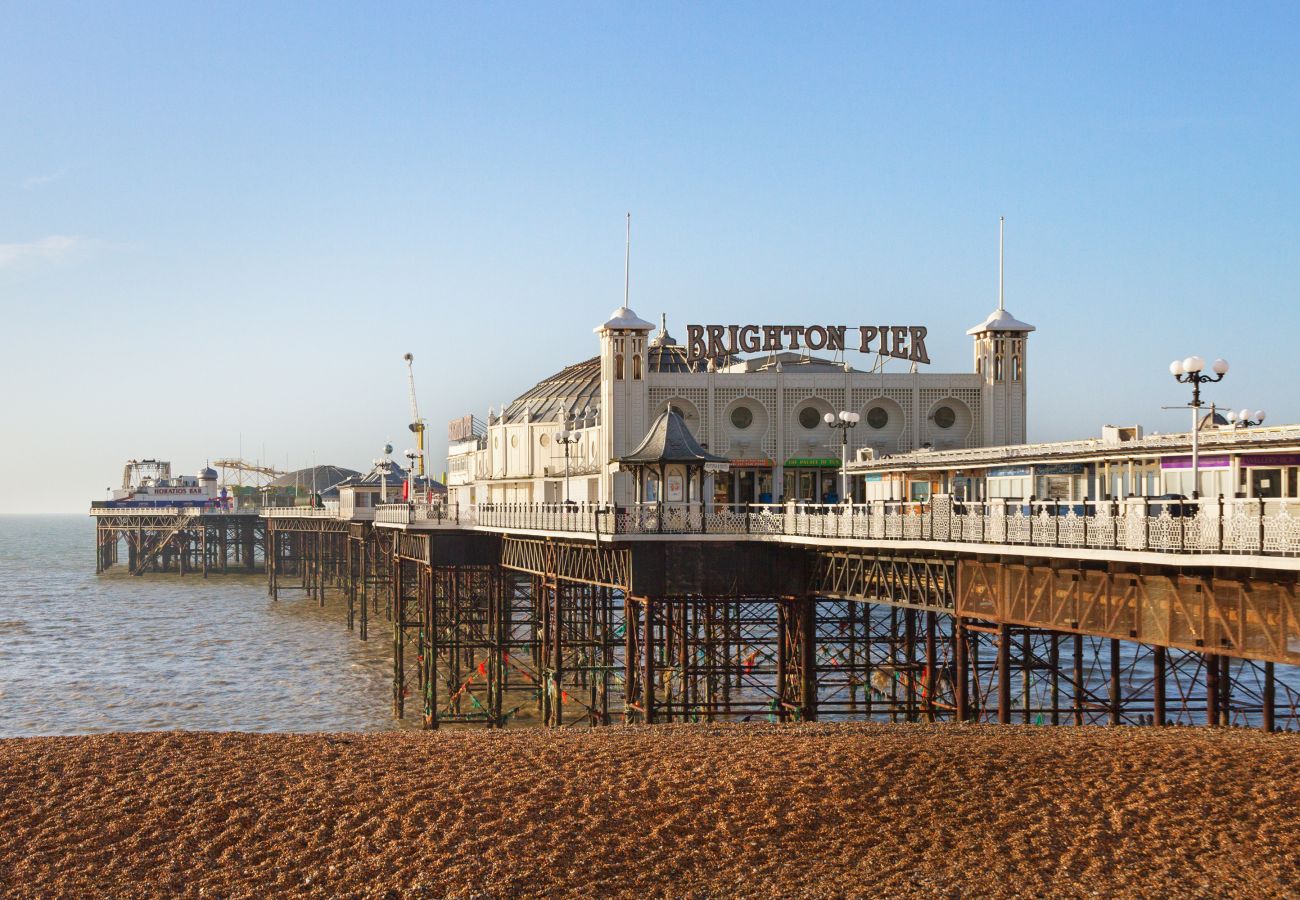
point(764, 412)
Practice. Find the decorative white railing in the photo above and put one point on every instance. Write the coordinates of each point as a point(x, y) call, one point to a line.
point(329, 511)
point(1222, 526)
point(418, 514)
point(173, 511)
point(1231, 526)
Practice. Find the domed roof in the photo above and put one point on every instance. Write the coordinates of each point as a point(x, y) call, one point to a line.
point(1001, 320)
point(207, 474)
point(665, 355)
point(623, 319)
point(572, 391)
point(322, 477)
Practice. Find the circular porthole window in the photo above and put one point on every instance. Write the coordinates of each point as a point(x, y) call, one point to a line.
point(944, 417)
point(809, 417)
point(742, 417)
point(544, 439)
point(877, 417)
point(514, 440)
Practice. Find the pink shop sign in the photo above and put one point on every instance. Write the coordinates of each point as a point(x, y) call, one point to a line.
point(1272, 459)
point(1185, 462)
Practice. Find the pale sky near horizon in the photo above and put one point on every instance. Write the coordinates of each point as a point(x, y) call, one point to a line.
point(224, 224)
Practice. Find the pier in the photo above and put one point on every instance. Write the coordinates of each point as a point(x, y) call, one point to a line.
point(570, 614)
point(180, 540)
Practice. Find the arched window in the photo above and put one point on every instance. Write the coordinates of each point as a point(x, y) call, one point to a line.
point(997, 367)
point(979, 365)
point(618, 366)
point(636, 367)
point(1015, 368)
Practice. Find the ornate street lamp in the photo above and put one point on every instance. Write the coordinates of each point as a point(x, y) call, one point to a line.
point(384, 464)
point(1188, 371)
point(844, 421)
point(567, 438)
point(1244, 419)
point(412, 457)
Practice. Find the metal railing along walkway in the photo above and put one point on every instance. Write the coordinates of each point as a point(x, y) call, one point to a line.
point(1210, 526)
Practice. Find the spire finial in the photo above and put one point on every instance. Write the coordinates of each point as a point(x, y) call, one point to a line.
point(1002, 304)
point(663, 323)
point(627, 260)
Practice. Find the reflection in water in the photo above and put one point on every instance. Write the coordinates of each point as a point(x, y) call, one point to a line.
point(81, 653)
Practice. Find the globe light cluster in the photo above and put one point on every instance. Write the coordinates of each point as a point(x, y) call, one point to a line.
point(1194, 365)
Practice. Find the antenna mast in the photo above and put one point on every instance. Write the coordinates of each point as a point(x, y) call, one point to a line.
point(627, 260)
point(1002, 221)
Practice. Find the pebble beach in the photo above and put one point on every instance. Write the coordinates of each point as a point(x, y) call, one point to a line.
point(701, 811)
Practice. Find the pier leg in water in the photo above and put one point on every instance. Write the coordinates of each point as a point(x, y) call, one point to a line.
point(1158, 700)
point(1004, 674)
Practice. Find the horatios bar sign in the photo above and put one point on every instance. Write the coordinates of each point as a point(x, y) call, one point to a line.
point(717, 341)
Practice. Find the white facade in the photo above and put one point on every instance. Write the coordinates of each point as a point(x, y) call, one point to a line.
point(764, 413)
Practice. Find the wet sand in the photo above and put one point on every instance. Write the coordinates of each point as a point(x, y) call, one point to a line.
point(752, 810)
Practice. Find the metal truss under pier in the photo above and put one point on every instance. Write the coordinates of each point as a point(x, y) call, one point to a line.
point(179, 541)
point(496, 630)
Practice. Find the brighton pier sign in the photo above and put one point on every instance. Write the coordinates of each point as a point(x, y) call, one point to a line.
point(715, 341)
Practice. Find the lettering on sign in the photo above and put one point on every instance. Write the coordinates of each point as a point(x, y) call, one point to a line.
point(715, 341)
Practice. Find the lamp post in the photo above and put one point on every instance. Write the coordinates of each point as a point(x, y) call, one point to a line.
point(382, 464)
point(412, 457)
point(844, 421)
point(1188, 371)
point(567, 438)
point(1244, 419)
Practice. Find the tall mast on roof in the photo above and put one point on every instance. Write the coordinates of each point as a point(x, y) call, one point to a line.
point(627, 260)
point(1002, 220)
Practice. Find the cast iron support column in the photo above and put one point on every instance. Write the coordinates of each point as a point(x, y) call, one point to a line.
point(808, 659)
point(960, 664)
point(1004, 674)
point(1211, 689)
point(1115, 697)
point(931, 664)
point(1158, 701)
point(1077, 673)
point(648, 677)
point(1270, 697)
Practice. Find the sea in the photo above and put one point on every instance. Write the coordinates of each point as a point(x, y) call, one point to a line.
point(82, 653)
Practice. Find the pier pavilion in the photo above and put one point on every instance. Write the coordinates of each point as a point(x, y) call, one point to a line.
point(764, 414)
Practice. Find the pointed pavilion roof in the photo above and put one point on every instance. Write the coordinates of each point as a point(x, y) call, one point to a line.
point(670, 441)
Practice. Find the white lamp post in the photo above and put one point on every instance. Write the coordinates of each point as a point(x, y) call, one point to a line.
point(566, 438)
point(844, 421)
point(382, 464)
point(1188, 371)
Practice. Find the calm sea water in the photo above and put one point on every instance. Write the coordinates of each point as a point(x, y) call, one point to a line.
point(81, 653)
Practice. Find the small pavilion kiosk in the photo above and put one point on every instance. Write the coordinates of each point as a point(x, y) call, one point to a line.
point(669, 468)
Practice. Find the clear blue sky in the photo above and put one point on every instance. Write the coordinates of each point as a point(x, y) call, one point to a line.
point(223, 220)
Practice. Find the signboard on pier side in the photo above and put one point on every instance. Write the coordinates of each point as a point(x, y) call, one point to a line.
point(714, 341)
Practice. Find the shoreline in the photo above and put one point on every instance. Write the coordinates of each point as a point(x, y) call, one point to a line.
point(712, 810)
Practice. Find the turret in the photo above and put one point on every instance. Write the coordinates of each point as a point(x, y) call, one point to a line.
point(1000, 360)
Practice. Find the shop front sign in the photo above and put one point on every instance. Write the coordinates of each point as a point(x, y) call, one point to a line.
point(1185, 462)
point(812, 463)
